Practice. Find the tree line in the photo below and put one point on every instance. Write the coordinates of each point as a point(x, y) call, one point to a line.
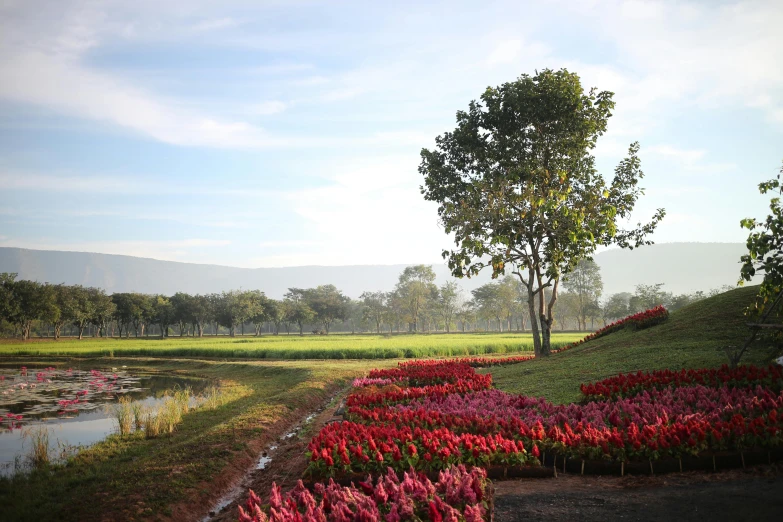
point(416, 304)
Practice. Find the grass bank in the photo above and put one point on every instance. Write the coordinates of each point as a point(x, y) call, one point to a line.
point(289, 347)
point(693, 337)
point(134, 478)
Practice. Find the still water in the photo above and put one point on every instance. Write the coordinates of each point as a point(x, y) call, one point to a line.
point(73, 405)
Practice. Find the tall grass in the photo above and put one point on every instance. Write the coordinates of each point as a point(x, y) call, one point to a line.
point(139, 412)
point(123, 415)
point(293, 347)
point(39, 451)
point(213, 398)
point(152, 420)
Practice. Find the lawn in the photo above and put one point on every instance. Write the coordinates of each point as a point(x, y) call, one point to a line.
point(289, 347)
point(693, 337)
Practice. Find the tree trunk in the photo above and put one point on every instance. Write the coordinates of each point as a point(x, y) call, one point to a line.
point(546, 318)
point(81, 332)
point(531, 303)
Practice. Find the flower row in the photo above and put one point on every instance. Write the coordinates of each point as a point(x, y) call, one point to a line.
point(637, 321)
point(349, 447)
point(627, 385)
point(457, 495)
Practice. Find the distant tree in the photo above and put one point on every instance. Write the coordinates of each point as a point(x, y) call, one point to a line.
point(568, 308)
point(356, 315)
point(142, 312)
point(124, 311)
point(102, 309)
point(466, 314)
point(275, 312)
point(616, 307)
point(682, 300)
point(449, 298)
point(233, 309)
point(375, 307)
point(397, 309)
point(508, 298)
point(488, 303)
point(183, 311)
point(585, 282)
point(327, 303)
point(257, 309)
point(416, 288)
point(6, 296)
point(648, 296)
point(202, 312)
point(71, 303)
point(516, 185)
point(163, 314)
point(297, 311)
point(30, 301)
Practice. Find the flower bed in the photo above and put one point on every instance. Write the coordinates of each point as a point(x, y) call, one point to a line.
point(458, 494)
point(626, 385)
point(425, 417)
point(638, 321)
point(461, 420)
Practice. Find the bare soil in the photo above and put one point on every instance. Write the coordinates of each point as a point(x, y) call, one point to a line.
point(752, 494)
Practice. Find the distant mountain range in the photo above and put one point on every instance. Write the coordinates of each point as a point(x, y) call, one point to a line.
point(682, 267)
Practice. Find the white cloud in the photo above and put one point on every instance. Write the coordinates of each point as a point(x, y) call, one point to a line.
point(505, 52)
point(268, 107)
point(371, 212)
point(684, 155)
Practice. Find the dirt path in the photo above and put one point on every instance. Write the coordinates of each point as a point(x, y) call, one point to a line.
point(755, 494)
point(284, 461)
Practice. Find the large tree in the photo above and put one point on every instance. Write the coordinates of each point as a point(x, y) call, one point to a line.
point(586, 284)
point(517, 186)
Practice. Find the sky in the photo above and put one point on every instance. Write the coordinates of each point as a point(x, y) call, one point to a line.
point(258, 134)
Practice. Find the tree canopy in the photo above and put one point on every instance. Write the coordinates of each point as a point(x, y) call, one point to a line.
point(516, 185)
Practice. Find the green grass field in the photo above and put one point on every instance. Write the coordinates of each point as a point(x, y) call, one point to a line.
point(693, 337)
point(289, 346)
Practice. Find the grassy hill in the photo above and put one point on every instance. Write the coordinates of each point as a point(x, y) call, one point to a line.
point(692, 337)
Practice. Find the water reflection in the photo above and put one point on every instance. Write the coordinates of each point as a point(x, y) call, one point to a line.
point(73, 405)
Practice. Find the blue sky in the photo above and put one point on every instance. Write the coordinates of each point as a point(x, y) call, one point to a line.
point(288, 133)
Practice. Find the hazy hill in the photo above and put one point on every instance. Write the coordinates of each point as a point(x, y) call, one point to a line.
point(683, 267)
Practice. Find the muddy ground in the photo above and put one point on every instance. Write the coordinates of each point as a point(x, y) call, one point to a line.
point(754, 494)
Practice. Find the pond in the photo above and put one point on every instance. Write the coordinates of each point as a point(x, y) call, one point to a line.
point(73, 405)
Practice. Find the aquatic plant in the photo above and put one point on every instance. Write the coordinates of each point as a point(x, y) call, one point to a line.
point(39, 451)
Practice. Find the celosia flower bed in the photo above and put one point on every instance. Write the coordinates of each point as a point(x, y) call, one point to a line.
point(624, 385)
point(461, 420)
point(458, 494)
point(638, 321)
point(442, 416)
